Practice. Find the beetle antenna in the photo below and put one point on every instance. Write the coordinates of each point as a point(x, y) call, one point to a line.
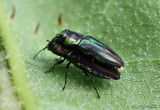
point(40, 51)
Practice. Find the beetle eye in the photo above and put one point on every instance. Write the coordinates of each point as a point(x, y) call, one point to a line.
point(51, 44)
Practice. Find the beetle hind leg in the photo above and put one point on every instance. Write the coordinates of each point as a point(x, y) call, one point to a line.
point(92, 83)
point(57, 63)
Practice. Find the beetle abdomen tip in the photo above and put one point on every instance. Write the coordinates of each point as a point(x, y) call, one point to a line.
point(121, 68)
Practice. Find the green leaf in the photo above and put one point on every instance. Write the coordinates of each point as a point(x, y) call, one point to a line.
point(131, 28)
point(8, 100)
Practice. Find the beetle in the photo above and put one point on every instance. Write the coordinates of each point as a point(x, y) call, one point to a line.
point(89, 46)
point(82, 61)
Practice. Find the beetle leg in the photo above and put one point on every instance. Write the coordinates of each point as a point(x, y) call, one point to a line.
point(92, 83)
point(67, 67)
point(57, 63)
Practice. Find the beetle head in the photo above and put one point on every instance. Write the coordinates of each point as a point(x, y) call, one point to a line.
point(49, 46)
point(52, 43)
point(59, 38)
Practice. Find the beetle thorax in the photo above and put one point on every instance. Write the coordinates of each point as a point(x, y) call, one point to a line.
point(71, 41)
point(72, 38)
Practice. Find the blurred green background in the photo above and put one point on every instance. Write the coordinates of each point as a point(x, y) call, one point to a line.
point(131, 28)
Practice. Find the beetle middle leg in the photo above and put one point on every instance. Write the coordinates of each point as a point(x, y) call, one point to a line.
point(57, 63)
point(92, 83)
point(67, 67)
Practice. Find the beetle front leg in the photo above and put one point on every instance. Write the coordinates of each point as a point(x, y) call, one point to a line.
point(67, 67)
point(92, 83)
point(57, 63)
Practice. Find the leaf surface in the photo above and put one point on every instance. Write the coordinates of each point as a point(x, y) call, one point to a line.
point(130, 28)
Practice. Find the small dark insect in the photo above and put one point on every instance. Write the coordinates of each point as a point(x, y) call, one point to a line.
point(13, 12)
point(60, 19)
point(89, 65)
point(37, 28)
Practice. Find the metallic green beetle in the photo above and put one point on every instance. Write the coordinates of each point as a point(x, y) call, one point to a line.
point(89, 46)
